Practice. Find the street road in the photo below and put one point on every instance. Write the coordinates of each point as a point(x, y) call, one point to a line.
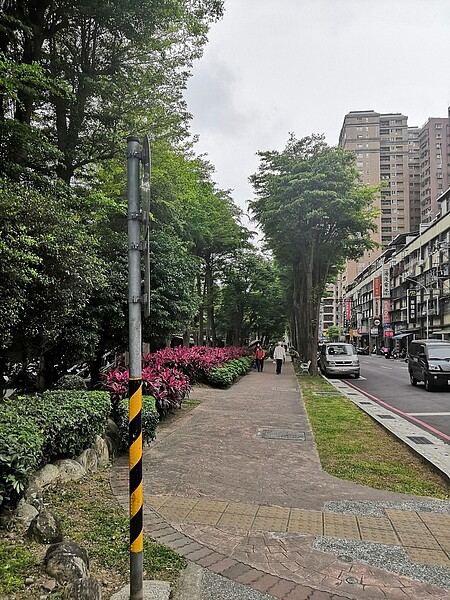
point(388, 381)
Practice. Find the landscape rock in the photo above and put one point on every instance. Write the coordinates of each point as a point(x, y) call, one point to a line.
point(88, 460)
point(24, 514)
point(33, 495)
point(101, 449)
point(87, 588)
point(67, 561)
point(45, 476)
point(69, 470)
point(45, 528)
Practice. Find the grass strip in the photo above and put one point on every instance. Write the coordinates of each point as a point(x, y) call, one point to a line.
point(353, 446)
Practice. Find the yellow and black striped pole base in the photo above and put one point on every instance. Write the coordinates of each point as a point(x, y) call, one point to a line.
point(136, 495)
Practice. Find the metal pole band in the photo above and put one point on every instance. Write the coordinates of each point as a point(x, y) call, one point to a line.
point(135, 442)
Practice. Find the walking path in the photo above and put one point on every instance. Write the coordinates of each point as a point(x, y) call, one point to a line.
point(236, 486)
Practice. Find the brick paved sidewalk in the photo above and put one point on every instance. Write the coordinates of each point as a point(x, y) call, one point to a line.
point(236, 486)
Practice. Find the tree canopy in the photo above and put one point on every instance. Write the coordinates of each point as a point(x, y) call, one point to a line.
point(315, 214)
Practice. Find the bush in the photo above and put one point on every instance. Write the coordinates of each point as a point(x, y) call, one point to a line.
point(20, 451)
point(71, 382)
point(150, 420)
point(69, 420)
point(227, 375)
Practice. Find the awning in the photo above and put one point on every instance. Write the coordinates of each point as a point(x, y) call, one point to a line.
point(400, 336)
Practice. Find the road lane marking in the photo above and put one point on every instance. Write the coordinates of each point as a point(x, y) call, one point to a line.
point(390, 368)
point(438, 414)
point(400, 412)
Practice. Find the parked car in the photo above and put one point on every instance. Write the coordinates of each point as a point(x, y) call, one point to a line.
point(429, 361)
point(338, 358)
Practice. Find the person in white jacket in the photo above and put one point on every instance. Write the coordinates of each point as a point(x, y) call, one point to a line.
point(279, 355)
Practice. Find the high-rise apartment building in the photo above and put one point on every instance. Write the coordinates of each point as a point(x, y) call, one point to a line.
point(434, 141)
point(381, 144)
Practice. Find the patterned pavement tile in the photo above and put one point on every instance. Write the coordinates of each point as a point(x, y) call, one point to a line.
point(428, 557)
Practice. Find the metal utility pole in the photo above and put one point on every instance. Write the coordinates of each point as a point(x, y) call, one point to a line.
point(135, 369)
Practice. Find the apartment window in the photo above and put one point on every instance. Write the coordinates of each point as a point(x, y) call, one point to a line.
point(439, 136)
point(438, 125)
point(360, 164)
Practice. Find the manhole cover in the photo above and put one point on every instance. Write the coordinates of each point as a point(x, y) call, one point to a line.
point(282, 434)
point(417, 439)
point(386, 416)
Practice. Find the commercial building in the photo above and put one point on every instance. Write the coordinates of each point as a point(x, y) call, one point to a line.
point(405, 292)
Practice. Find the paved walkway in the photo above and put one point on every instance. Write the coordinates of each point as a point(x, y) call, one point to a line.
point(236, 486)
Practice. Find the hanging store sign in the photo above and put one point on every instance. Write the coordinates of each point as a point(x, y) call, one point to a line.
point(386, 283)
point(412, 306)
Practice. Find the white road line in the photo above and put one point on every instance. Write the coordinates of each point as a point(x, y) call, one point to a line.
point(438, 414)
point(390, 368)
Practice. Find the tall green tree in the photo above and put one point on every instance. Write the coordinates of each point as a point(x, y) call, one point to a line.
point(252, 298)
point(315, 214)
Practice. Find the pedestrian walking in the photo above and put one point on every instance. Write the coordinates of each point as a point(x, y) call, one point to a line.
point(279, 355)
point(259, 357)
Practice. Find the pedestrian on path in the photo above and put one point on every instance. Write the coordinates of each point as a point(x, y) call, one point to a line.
point(259, 357)
point(279, 356)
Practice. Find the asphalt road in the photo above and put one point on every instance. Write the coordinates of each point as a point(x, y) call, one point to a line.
point(387, 381)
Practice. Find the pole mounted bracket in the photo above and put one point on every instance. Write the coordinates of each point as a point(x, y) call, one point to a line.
point(136, 299)
point(135, 216)
point(134, 153)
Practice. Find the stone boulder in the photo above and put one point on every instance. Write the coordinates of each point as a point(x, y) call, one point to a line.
point(33, 495)
point(69, 470)
point(87, 588)
point(67, 562)
point(88, 459)
point(45, 528)
point(24, 515)
point(44, 477)
point(101, 449)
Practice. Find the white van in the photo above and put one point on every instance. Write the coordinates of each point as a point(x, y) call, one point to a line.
point(338, 358)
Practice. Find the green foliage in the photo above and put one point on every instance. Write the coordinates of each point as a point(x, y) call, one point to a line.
point(69, 420)
point(21, 444)
point(150, 420)
point(225, 376)
point(315, 214)
point(15, 565)
point(71, 382)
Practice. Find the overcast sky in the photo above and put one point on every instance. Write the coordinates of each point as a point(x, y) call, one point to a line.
point(277, 66)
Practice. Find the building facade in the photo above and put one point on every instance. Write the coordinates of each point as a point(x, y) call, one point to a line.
point(434, 143)
point(405, 292)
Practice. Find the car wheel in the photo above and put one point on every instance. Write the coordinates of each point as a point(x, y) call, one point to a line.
point(412, 379)
point(357, 375)
point(428, 385)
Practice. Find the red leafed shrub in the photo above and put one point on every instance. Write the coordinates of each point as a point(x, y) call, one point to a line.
point(168, 374)
point(196, 362)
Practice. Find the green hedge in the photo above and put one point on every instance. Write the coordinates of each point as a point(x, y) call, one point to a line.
point(71, 382)
point(150, 420)
point(20, 451)
point(36, 430)
point(225, 376)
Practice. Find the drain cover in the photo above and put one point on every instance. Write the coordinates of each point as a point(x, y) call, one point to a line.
point(386, 416)
point(366, 402)
point(417, 439)
point(328, 394)
point(282, 434)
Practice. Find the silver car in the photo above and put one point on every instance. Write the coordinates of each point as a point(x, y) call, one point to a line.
point(338, 358)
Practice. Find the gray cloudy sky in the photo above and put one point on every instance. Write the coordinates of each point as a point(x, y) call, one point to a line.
point(277, 66)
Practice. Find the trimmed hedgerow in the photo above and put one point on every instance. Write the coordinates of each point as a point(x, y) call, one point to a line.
point(20, 451)
point(68, 419)
point(150, 420)
point(227, 375)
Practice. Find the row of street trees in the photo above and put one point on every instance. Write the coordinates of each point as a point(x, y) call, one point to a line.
point(315, 215)
point(75, 80)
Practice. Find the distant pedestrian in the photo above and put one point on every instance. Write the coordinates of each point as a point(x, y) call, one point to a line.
point(279, 355)
point(259, 357)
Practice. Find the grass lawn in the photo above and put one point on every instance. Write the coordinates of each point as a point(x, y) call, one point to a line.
point(353, 446)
